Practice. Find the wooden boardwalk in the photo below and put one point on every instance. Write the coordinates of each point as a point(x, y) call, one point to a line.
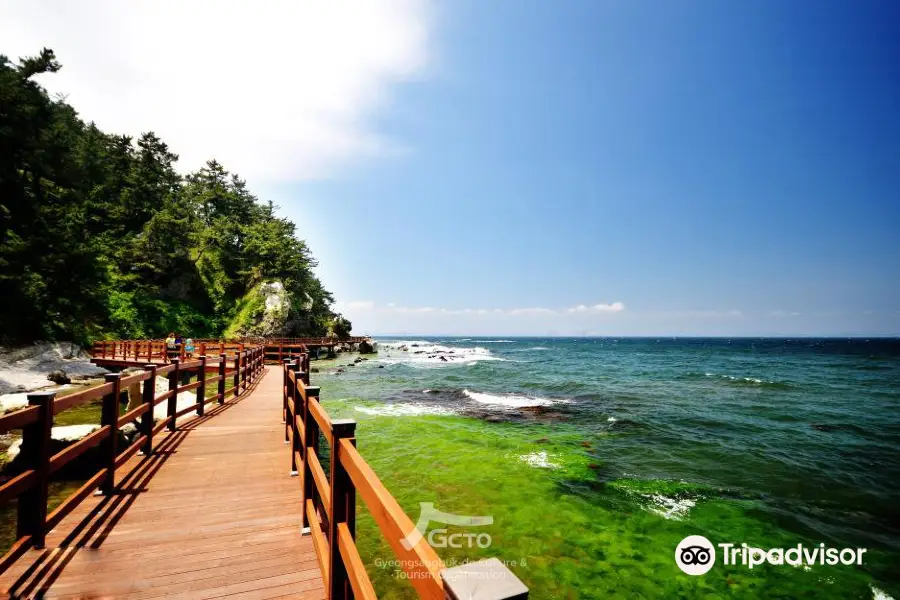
point(213, 514)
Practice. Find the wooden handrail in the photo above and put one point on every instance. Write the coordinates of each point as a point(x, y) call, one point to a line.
point(275, 350)
point(36, 422)
point(329, 503)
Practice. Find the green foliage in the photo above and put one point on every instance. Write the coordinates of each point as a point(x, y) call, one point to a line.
point(101, 237)
point(339, 327)
point(250, 309)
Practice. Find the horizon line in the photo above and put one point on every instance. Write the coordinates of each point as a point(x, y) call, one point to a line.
point(855, 336)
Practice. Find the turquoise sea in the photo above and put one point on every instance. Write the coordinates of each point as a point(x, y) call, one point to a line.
point(595, 457)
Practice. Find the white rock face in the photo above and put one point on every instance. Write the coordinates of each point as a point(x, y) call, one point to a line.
point(276, 308)
point(184, 399)
point(64, 433)
point(276, 298)
point(25, 369)
point(19, 400)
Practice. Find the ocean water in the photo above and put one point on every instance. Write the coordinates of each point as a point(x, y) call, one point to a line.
point(595, 457)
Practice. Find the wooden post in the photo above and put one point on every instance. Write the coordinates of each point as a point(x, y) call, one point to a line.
point(173, 401)
point(35, 451)
point(237, 375)
point(310, 444)
point(202, 349)
point(223, 364)
point(201, 391)
point(109, 415)
point(343, 508)
point(280, 353)
point(147, 418)
point(243, 369)
point(285, 384)
point(304, 362)
point(296, 442)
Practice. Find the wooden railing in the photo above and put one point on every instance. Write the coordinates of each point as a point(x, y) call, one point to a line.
point(328, 504)
point(156, 350)
point(36, 422)
point(275, 349)
point(310, 341)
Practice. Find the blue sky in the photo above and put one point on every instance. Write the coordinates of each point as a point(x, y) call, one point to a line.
point(716, 167)
point(521, 167)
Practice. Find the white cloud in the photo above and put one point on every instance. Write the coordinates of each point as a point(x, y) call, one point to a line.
point(274, 89)
point(784, 313)
point(598, 308)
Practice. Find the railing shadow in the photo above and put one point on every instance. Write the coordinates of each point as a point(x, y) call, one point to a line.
point(94, 528)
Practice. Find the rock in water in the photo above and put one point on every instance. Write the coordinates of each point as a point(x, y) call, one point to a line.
point(366, 347)
point(59, 377)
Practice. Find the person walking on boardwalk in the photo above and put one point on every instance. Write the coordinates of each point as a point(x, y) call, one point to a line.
point(171, 347)
point(189, 347)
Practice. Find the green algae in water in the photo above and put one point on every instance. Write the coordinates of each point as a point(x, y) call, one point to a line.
point(563, 532)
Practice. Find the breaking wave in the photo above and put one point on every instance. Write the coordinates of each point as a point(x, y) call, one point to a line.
point(511, 400)
point(429, 353)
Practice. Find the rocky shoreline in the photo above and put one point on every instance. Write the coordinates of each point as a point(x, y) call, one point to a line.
point(45, 365)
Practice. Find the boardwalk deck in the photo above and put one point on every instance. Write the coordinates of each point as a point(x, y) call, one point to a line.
point(213, 514)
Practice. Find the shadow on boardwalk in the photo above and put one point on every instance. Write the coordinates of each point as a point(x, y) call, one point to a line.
point(254, 432)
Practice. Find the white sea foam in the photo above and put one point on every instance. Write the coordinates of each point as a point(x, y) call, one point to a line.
point(538, 460)
point(669, 508)
point(611, 420)
point(429, 353)
point(733, 378)
point(510, 400)
point(878, 594)
point(403, 410)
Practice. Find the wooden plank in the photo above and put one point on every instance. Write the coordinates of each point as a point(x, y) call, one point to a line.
point(75, 499)
point(132, 379)
point(318, 538)
point(190, 387)
point(356, 570)
point(318, 474)
point(15, 486)
point(161, 425)
point(66, 455)
point(207, 515)
point(123, 456)
point(132, 414)
point(163, 397)
point(19, 548)
point(321, 417)
point(66, 402)
point(19, 419)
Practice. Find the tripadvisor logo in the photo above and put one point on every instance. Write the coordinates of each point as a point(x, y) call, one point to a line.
point(696, 555)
